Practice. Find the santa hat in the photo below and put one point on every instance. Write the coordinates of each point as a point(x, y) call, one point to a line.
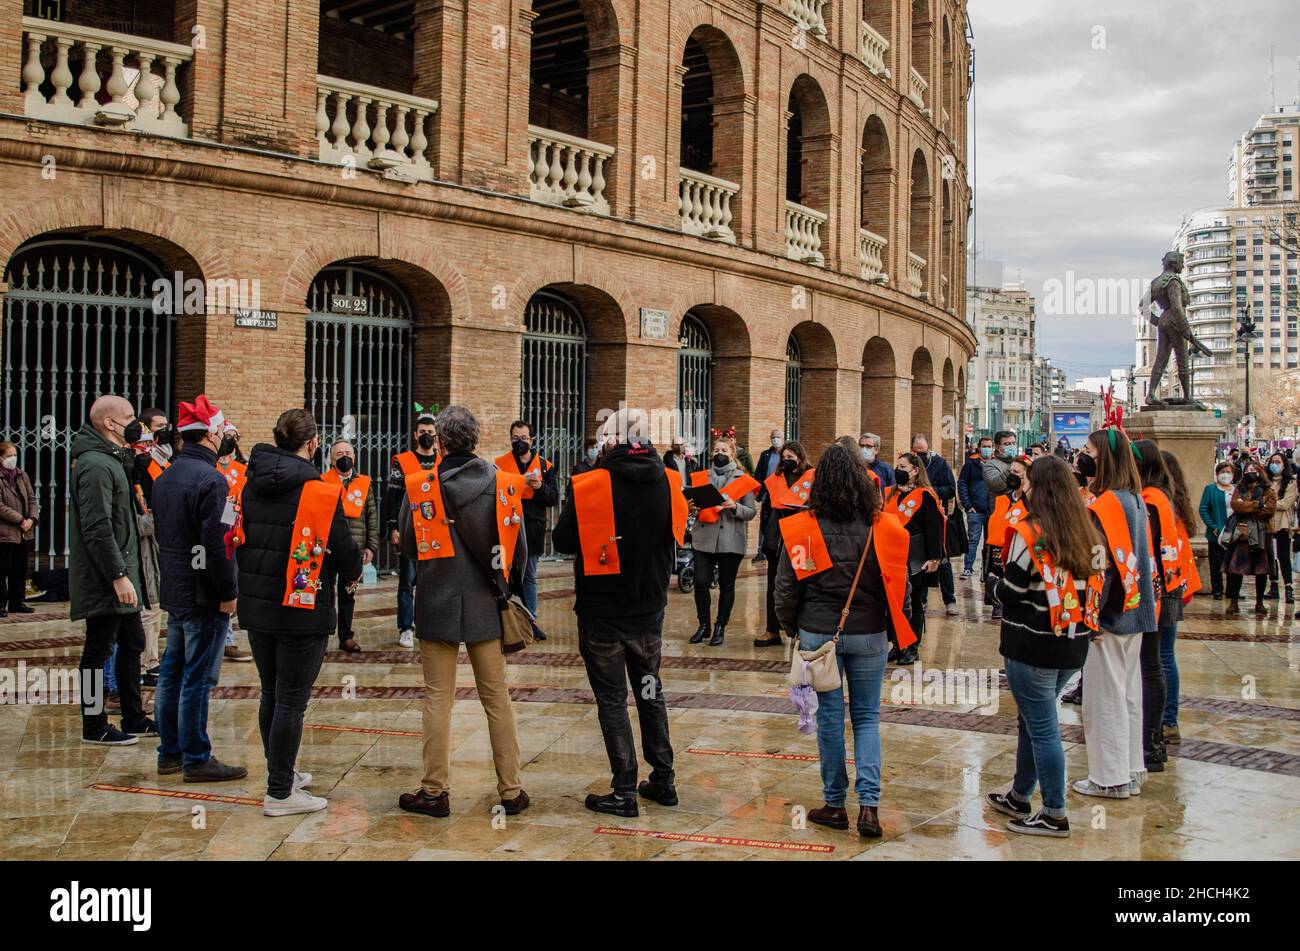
point(199, 415)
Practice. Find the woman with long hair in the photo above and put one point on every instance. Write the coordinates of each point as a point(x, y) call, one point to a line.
point(719, 537)
point(792, 474)
point(1169, 628)
point(1112, 672)
point(1284, 487)
point(811, 592)
point(1008, 509)
point(1044, 638)
point(1253, 503)
point(913, 501)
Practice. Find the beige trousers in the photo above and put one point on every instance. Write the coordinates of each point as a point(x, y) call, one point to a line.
point(439, 662)
point(151, 618)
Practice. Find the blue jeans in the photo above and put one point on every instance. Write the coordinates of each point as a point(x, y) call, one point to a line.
point(1040, 760)
point(189, 670)
point(862, 666)
point(530, 584)
point(1168, 634)
point(110, 672)
point(405, 593)
point(228, 629)
point(976, 522)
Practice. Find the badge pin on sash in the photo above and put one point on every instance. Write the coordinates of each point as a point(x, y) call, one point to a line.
point(513, 517)
point(808, 563)
point(604, 556)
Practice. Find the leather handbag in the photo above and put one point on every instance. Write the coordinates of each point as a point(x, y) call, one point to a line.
point(819, 668)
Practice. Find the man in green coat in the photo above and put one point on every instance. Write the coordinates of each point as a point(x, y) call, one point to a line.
point(104, 580)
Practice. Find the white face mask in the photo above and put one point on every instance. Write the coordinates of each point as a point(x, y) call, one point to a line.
point(1225, 478)
point(777, 442)
point(868, 454)
point(11, 462)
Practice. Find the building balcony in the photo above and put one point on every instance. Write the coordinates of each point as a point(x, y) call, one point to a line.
point(917, 88)
point(803, 233)
point(871, 252)
point(807, 14)
point(364, 126)
point(704, 204)
point(916, 274)
point(566, 170)
point(121, 81)
point(874, 49)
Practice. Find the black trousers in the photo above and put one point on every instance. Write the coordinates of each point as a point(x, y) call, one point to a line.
point(773, 560)
point(611, 664)
point(1154, 688)
point(727, 565)
point(919, 592)
point(102, 632)
point(1234, 585)
point(1281, 556)
point(287, 665)
point(13, 573)
point(1216, 565)
point(347, 606)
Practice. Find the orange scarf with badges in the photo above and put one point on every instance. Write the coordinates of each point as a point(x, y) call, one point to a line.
point(509, 463)
point(307, 551)
point(735, 490)
point(1171, 563)
point(593, 503)
point(354, 493)
point(792, 496)
point(1065, 611)
point(1006, 513)
point(1114, 526)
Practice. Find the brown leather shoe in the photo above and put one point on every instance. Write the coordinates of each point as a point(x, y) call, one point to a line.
point(833, 817)
point(868, 822)
point(1233, 608)
point(517, 805)
point(438, 806)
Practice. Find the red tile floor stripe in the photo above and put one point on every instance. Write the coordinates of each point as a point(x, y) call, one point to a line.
point(724, 840)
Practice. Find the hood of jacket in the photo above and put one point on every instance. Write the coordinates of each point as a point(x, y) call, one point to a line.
point(634, 463)
point(275, 471)
point(469, 481)
point(88, 439)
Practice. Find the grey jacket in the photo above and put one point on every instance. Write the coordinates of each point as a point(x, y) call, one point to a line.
point(996, 471)
point(453, 600)
point(1142, 618)
point(728, 535)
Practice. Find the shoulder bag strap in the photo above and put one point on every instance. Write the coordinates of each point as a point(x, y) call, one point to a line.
point(853, 588)
point(493, 576)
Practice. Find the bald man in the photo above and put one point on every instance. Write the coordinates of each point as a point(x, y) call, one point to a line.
point(104, 578)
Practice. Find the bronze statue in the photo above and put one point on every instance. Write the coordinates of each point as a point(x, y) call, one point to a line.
point(1173, 332)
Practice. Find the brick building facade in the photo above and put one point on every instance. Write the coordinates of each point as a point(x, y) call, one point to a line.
point(491, 203)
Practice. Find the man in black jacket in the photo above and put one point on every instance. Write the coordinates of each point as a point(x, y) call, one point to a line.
point(192, 517)
point(540, 478)
point(620, 616)
point(945, 486)
point(769, 460)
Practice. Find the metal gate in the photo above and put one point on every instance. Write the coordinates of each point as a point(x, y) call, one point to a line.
point(79, 322)
point(553, 386)
point(793, 381)
point(358, 372)
point(694, 383)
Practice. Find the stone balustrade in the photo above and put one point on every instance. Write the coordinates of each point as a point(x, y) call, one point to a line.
point(871, 252)
point(917, 90)
point(360, 125)
point(138, 76)
point(704, 203)
point(808, 15)
point(874, 49)
point(916, 274)
point(566, 170)
point(803, 233)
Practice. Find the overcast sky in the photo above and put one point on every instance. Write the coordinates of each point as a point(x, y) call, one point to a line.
point(1086, 160)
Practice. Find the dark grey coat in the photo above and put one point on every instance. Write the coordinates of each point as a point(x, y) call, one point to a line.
point(453, 600)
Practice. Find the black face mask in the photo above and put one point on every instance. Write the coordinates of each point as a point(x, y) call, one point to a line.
point(721, 460)
point(165, 436)
point(318, 458)
point(227, 446)
point(1014, 482)
point(343, 464)
point(425, 441)
point(902, 476)
point(789, 466)
point(519, 447)
point(1087, 465)
point(132, 431)
point(1082, 479)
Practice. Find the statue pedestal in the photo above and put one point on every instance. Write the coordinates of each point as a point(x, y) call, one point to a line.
point(1191, 436)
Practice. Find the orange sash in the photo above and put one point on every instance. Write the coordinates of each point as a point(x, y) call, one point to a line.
point(1088, 497)
point(806, 549)
point(593, 501)
point(432, 528)
point(908, 505)
point(789, 496)
point(354, 494)
point(409, 462)
point(875, 478)
point(736, 489)
point(1188, 562)
point(1062, 595)
point(236, 475)
point(156, 468)
point(1114, 526)
point(1005, 514)
point(1170, 562)
point(508, 463)
point(311, 531)
point(510, 488)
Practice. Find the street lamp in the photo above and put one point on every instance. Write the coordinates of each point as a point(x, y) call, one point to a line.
point(1245, 334)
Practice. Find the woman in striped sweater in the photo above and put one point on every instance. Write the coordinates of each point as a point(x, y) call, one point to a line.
point(1044, 638)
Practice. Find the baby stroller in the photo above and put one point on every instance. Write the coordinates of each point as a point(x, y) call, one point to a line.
point(684, 562)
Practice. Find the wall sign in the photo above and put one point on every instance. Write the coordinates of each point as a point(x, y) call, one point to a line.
point(259, 319)
point(654, 324)
point(349, 304)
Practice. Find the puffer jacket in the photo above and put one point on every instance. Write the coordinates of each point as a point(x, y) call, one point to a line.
point(17, 502)
point(729, 534)
point(103, 537)
point(270, 507)
point(189, 502)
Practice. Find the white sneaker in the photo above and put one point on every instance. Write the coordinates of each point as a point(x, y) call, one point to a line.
point(406, 638)
point(1086, 787)
point(1134, 788)
point(301, 780)
point(951, 609)
point(297, 802)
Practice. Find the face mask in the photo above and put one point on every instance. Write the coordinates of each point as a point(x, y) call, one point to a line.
point(519, 447)
point(591, 455)
point(425, 441)
point(1014, 482)
point(1082, 479)
point(868, 454)
point(1087, 465)
point(132, 431)
point(1011, 452)
point(227, 446)
point(721, 460)
point(902, 476)
point(1275, 468)
point(986, 452)
point(317, 457)
point(11, 462)
point(1225, 478)
point(164, 451)
point(777, 442)
point(789, 466)
point(343, 464)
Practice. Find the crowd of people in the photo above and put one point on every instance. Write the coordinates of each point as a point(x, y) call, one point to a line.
point(1085, 560)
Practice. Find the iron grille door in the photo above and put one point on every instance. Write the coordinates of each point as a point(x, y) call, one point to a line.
point(553, 386)
point(358, 375)
point(79, 322)
point(793, 381)
point(695, 383)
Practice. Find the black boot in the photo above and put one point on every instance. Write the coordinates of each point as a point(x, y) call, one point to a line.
point(1290, 594)
point(719, 630)
point(700, 633)
point(1153, 751)
point(1271, 595)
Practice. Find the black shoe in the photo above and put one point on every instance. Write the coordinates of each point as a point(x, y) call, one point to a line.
point(145, 727)
point(1041, 824)
point(613, 805)
point(168, 766)
point(908, 656)
point(1009, 805)
point(148, 679)
point(538, 635)
point(1271, 594)
point(893, 654)
point(997, 612)
point(3, 613)
point(760, 558)
point(661, 793)
point(772, 640)
point(719, 630)
point(1073, 695)
point(438, 806)
point(517, 805)
point(213, 771)
point(1217, 595)
point(700, 633)
point(1290, 594)
point(109, 736)
point(21, 609)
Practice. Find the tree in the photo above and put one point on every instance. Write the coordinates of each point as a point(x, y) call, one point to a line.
point(1284, 228)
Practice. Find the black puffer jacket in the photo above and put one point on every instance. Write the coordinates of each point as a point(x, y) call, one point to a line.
point(270, 505)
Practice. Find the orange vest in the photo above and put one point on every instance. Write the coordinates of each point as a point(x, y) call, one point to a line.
point(236, 475)
point(908, 505)
point(156, 468)
point(1005, 514)
point(354, 495)
point(1114, 526)
point(785, 496)
point(736, 489)
point(311, 532)
point(1062, 596)
point(508, 463)
point(1170, 562)
point(593, 502)
point(806, 548)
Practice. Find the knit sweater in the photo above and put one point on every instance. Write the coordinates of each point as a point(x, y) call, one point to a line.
point(1027, 634)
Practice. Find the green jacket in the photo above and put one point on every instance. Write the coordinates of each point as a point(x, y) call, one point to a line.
point(365, 528)
point(103, 538)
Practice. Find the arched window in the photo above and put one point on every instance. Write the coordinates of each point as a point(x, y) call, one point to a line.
point(694, 382)
point(793, 381)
